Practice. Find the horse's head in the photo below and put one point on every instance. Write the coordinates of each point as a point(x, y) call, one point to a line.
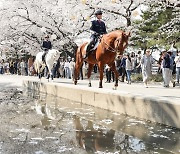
point(121, 42)
point(56, 53)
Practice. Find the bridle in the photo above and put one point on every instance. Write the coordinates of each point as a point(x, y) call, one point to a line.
point(113, 49)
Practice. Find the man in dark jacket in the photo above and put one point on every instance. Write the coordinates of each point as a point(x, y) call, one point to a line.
point(98, 28)
point(46, 45)
point(166, 64)
point(123, 68)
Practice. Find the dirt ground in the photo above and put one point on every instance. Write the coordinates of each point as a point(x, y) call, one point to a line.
point(22, 130)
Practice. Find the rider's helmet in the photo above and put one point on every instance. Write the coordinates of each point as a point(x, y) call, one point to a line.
point(98, 12)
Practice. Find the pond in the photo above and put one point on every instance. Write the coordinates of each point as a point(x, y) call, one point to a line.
point(41, 124)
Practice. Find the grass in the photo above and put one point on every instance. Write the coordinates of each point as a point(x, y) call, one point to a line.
point(154, 78)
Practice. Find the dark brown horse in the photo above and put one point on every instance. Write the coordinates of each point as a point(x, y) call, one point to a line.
point(110, 45)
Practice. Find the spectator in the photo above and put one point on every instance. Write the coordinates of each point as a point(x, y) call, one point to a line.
point(159, 64)
point(72, 67)
point(129, 67)
point(11, 67)
point(133, 61)
point(146, 65)
point(61, 68)
point(26, 68)
point(6, 67)
point(56, 69)
point(138, 62)
point(171, 67)
point(67, 70)
point(83, 70)
point(16, 67)
point(123, 67)
point(118, 65)
point(177, 61)
point(166, 64)
point(1, 67)
point(109, 74)
point(22, 67)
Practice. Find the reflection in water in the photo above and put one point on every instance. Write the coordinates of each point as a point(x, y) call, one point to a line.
point(93, 140)
point(96, 130)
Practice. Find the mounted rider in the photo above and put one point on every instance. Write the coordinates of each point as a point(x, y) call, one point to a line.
point(98, 28)
point(46, 45)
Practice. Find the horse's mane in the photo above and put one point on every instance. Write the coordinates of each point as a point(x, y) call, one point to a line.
point(116, 33)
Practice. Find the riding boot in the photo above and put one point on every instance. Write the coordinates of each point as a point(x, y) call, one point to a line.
point(87, 51)
point(43, 57)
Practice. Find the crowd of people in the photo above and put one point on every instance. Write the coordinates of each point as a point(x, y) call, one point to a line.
point(126, 65)
point(63, 67)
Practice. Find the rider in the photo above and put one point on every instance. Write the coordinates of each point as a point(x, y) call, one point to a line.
point(46, 45)
point(98, 28)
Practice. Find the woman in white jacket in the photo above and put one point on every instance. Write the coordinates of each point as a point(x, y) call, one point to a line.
point(146, 64)
point(128, 68)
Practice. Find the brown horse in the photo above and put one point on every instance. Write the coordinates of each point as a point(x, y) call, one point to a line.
point(110, 45)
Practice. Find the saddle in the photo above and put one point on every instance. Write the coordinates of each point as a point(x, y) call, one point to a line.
point(93, 47)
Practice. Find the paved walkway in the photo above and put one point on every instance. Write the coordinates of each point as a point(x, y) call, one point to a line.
point(155, 90)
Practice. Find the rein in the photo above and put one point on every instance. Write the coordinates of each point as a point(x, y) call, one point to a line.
point(112, 49)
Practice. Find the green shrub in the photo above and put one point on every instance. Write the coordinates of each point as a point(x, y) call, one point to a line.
point(154, 78)
point(136, 77)
point(157, 78)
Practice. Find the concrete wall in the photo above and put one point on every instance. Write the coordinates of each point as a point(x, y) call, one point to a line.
point(152, 109)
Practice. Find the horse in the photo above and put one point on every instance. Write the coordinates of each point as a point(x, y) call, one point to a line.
point(50, 58)
point(111, 45)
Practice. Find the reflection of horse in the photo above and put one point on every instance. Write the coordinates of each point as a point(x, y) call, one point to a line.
point(50, 58)
point(111, 44)
point(93, 140)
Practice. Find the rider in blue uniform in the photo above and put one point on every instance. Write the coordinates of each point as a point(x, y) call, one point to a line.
point(98, 28)
point(46, 45)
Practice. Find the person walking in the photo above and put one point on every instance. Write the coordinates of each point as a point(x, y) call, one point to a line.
point(177, 61)
point(166, 64)
point(146, 65)
point(72, 67)
point(129, 68)
point(67, 70)
point(123, 68)
point(22, 67)
point(171, 67)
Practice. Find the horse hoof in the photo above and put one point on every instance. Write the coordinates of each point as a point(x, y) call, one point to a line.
point(100, 87)
point(75, 82)
point(89, 85)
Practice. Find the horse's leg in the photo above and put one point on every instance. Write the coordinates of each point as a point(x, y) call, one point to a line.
point(101, 67)
point(89, 73)
point(113, 68)
point(78, 65)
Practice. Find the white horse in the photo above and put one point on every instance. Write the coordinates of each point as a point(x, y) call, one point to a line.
point(50, 58)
